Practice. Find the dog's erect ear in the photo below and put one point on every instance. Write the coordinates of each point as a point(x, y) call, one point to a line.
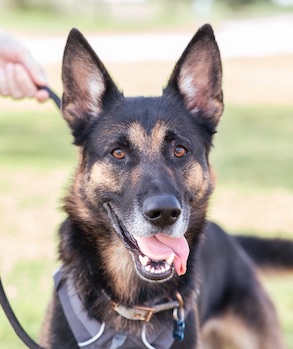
point(197, 76)
point(86, 82)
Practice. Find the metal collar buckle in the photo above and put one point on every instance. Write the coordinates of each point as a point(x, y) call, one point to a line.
point(140, 313)
point(143, 313)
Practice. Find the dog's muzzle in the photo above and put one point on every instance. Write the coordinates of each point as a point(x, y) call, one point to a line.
point(156, 257)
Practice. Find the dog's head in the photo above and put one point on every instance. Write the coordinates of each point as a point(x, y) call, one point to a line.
point(144, 167)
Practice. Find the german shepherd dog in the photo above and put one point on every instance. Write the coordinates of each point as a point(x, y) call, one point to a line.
point(141, 266)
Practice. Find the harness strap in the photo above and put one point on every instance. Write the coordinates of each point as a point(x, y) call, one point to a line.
point(84, 329)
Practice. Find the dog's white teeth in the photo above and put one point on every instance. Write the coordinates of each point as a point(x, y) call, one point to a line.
point(170, 259)
point(143, 260)
point(148, 268)
point(156, 267)
point(157, 270)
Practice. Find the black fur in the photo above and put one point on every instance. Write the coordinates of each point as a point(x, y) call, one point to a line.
point(270, 253)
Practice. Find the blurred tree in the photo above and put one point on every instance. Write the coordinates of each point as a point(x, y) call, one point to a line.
point(21, 4)
point(235, 4)
point(30, 4)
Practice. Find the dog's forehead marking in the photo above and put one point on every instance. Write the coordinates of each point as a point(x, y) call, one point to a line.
point(152, 142)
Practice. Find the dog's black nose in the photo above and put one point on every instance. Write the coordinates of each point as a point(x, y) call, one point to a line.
point(161, 210)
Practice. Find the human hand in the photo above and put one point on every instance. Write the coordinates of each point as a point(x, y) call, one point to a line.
point(20, 74)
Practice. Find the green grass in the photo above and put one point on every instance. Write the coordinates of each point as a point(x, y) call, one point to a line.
point(29, 283)
point(254, 148)
point(34, 139)
point(281, 289)
point(253, 151)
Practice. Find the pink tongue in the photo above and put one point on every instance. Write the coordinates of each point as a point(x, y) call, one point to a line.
point(160, 247)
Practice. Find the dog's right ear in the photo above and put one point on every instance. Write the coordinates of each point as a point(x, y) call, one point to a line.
point(86, 84)
point(197, 77)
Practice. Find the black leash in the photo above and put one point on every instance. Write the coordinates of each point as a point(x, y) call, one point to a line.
point(21, 333)
point(52, 95)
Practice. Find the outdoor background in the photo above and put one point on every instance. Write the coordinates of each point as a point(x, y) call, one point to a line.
point(139, 41)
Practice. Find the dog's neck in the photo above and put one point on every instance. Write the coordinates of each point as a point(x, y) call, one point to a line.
point(83, 262)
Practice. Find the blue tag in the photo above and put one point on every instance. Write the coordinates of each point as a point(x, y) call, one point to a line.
point(178, 332)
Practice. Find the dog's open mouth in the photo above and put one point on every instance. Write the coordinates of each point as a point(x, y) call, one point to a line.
point(157, 257)
point(153, 270)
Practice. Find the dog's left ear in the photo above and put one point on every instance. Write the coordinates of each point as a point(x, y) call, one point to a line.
point(87, 84)
point(197, 76)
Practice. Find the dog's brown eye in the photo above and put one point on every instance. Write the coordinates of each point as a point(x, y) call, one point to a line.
point(180, 151)
point(118, 153)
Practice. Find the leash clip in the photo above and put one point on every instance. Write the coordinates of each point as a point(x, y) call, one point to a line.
point(179, 323)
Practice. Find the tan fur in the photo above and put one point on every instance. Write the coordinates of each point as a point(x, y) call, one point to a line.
point(157, 137)
point(75, 202)
point(228, 332)
point(119, 266)
point(103, 176)
point(231, 332)
point(198, 178)
point(137, 136)
point(150, 144)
